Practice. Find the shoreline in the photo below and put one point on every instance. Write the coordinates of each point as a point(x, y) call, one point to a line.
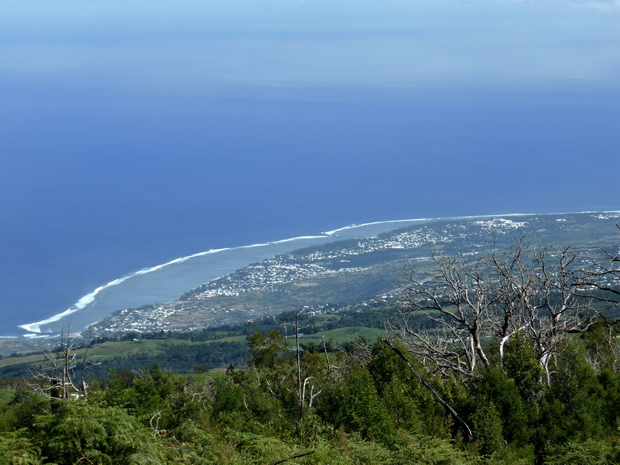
point(35, 330)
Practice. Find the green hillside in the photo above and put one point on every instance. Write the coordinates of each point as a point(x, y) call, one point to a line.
point(509, 355)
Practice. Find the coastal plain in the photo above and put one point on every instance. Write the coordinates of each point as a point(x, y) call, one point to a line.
point(359, 272)
point(354, 273)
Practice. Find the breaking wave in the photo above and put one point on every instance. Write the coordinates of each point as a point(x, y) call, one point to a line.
point(166, 282)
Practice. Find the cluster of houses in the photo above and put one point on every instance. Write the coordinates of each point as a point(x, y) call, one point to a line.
point(309, 264)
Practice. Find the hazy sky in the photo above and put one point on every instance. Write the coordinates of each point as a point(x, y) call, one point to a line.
point(130, 80)
point(194, 47)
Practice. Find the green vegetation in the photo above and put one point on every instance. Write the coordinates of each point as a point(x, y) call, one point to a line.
point(359, 405)
point(6, 395)
point(217, 347)
point(502, 357)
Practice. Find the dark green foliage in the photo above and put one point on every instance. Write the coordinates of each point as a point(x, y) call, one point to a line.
point(572, 409)
point(178, 358)
point(23, 409)
point(228, 397)
point(609, 380)
point(269, 352)
point(82, 432)
point(359, 408)
point(15, 448)
point(498, 395)
point(159, 399)
point(488, 427)
point(521, 366)
point(17, 370)
point(402, 394)
point(589, 452)
point(367, 408)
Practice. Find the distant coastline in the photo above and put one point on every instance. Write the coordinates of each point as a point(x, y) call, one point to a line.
point(221, 264)
point(35, 329)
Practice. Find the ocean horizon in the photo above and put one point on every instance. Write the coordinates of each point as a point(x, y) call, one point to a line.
point(133, 136)
point(167, 187)
point(79, 220)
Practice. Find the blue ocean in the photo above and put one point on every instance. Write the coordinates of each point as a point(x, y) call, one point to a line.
point(129, 141)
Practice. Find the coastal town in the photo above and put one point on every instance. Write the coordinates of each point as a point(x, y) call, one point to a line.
point(268, 286)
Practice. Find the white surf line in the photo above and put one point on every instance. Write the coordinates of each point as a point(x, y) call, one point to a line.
point(353, 226)
point(470, 217)
point(89, 298)
point(414, 220)
point(323, 236)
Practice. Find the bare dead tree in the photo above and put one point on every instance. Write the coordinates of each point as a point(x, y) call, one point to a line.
point(482, 302)
point(601, 281)
point(511, 284)
point(62, 374)
point(556, 307)
point(305, 399)
point(604, 349)
point(301, 385)
point(283, 372)
point(456, 299)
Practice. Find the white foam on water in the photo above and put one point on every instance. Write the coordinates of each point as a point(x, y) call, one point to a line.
point(35, 328)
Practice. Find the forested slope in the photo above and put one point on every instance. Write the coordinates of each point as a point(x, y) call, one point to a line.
point(364, 406)
point(510, 355)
